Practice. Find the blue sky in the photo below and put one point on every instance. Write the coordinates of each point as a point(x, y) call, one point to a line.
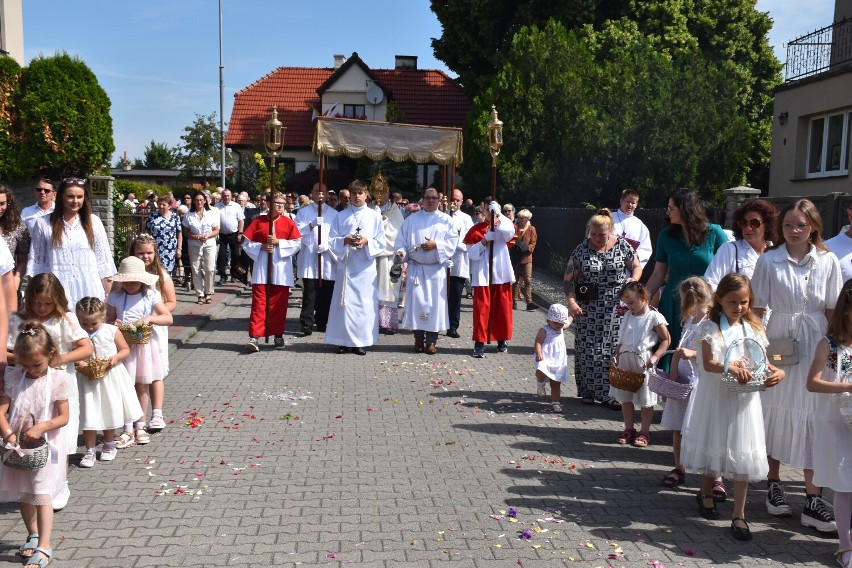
point(159, 60)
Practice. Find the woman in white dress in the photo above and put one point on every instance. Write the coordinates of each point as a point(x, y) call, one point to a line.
point(799, 281)
point(72, 244)
point(755, 229)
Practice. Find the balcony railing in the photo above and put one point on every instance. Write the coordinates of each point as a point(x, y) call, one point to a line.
point(819, 51)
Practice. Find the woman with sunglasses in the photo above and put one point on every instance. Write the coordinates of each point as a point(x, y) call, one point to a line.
point(72, 244)
point(200, 228)
point(754, 230)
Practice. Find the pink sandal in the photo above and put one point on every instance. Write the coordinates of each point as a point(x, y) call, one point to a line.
point(627, 436)
point(642, 440)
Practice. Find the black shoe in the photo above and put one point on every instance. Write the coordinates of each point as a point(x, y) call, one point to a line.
point(359, 351)
point(740, 533)
point(502, 346)
point(452, 332)
point(321, 328)
point(479, 350)
point(776, 499)
point(514, 305)
point(306, 330)
point(279, 341)
point(709, 513)
point(532, 306)
point(818, 514)
point(342, 350)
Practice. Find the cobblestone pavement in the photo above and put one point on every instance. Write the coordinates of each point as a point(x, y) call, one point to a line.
point(304, 457)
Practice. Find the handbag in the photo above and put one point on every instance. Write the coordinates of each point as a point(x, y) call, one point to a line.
point(784, 351)
point(586, 292)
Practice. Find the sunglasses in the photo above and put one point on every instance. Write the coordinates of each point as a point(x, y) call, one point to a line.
point(746, 223)
point(43, 190)
point(74, 181)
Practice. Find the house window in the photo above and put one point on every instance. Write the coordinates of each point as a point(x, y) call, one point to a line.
point(828, 144)
point(354, 111)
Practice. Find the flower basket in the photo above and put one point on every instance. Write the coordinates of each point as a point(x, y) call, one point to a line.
point(630, 381)
point(138, 333)
point(755, 362)
point(24, 455)
point(96, 367)
point(660, 383)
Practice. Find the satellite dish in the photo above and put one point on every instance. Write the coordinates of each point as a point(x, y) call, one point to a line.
point(375, 95)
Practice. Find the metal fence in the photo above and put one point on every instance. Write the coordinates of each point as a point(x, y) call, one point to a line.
point(822, 50)
point(127, 226)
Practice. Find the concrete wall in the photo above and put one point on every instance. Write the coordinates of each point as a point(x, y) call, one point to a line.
point(12, 29)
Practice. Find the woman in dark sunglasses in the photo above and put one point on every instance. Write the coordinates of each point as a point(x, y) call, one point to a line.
point(755, 226)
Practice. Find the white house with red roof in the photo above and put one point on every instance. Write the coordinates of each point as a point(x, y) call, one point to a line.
point(349, 89)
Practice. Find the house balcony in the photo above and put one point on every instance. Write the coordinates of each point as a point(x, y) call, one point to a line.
point(826, 49)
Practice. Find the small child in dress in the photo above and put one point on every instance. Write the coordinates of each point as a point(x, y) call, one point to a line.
point(110, 402)
point(831, 375)
point(145, 247)
point(36, 403)
point(696, 299)
point(724, 435)
point(642, 328)
point(135, 301)
point(551, 358)
point(45, 302)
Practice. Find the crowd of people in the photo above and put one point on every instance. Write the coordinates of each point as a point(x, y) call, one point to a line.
point(369, 265)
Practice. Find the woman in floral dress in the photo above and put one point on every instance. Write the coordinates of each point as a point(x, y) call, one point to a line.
point(164, 225)
point(604, 260)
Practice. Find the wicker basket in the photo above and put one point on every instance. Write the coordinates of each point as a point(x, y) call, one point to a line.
point(138, 333)
point(96, 367)
point(844, 400)
point(660, 383)
point(630, 381)
point(757, 364)
point(27, 456)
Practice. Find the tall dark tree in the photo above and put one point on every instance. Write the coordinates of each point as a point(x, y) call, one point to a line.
point(158, 156)
point(67, 128)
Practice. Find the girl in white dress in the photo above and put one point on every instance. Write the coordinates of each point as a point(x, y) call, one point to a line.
point(135, 301)
point(144, 247)
point(34, 400)
point(110, 402)
point(72, 244)
point(831, 376)
point(642, 328)
point(696, 299)
point(724, 433)
point(551, 357)
point(799, 282)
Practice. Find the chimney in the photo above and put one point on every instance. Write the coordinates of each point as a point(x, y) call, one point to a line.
point(339, 60)
point(406, 62)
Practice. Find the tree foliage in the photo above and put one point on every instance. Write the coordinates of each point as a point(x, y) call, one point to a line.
point(10, 123)
point(200, 152)
point(158, 156)
point(600, 96)
point(65, 122)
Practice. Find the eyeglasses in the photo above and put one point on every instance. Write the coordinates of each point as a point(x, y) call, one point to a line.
point(797, 228)
point(279, 204)
point(754, 223)
point(670, 208)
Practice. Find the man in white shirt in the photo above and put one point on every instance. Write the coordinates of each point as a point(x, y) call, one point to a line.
point(631, 227)
point(460, 270)
point(316, 288)
point(45, 194)
point(841, 246)
point(427, 240)
point(231, 220)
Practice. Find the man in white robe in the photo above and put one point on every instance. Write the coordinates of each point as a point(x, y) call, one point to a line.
point(356, 238)
point(427, 240)
point(388, 290)
point(631, 227)
point(316, 288)
point(460, 270)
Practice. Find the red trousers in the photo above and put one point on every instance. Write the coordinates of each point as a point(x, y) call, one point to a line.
point(279, 297)
point(492, 303)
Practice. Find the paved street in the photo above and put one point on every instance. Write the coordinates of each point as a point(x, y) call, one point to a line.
point(305, 457)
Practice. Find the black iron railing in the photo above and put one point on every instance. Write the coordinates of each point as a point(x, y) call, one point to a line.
point(823, 50)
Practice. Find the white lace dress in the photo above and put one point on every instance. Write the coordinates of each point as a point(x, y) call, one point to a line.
point(79, 266)
point(554, 363)
point(724, 432)
point(833, 455)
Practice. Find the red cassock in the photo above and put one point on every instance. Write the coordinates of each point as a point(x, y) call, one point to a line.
point(279, 295)
point(492, 305)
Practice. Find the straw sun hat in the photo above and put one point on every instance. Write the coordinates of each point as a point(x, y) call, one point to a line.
point(132, 269)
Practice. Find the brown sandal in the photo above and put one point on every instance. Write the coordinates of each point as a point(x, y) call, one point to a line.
point(674, 478)
point(200, 300)
point(208, 300)
point(643, 440)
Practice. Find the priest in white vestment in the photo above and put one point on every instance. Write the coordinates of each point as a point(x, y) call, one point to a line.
point(388, 291)
point(427, 240)
point(632, 228)
point(356, 238)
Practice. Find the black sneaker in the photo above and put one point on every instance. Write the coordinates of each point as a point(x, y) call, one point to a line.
point(776, 500)
point(279, 341)
point(479, 350)
point(819, 515)
point(502, 346)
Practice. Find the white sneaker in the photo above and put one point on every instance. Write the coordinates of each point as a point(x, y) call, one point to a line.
point(88, 459)
point(540, 389)
point(156, 423)
point(556, 407)
point(108, 453)
point(60, 500)
point(252, 345)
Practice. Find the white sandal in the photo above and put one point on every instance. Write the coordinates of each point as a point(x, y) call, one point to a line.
point(839, 556)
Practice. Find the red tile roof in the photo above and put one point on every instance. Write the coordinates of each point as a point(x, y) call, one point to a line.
point(425, 96)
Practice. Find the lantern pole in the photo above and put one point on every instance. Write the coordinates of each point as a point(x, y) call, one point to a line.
point(274, 137)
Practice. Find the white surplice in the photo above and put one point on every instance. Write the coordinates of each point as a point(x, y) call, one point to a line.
point(462, 223)
point(479, 256)
point(388, 291)
point(353, 319)
point(306, 222)
point(426, 279)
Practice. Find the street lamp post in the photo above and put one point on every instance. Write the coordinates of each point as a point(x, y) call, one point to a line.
point(274, 139)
